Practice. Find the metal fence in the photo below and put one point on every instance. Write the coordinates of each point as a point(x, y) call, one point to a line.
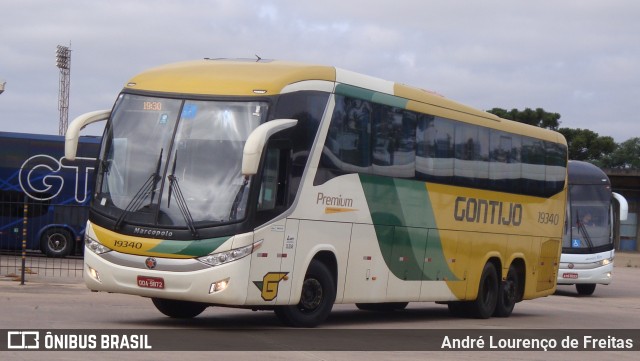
point(31, 228)
point(36, 266)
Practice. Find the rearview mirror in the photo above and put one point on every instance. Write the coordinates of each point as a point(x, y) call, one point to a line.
point(73, 131)
point(257, 139)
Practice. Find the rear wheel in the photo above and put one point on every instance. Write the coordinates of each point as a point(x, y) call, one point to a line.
point(507, 294)
point(586, 289)
point(485, 303)
point(316, 300)
point(179, 309)
point(56, 242)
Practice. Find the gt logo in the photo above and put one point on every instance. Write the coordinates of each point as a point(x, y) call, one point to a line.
point(269, 284)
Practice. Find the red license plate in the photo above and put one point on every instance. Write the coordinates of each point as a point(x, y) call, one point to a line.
point(150, 282)
point(570, 275)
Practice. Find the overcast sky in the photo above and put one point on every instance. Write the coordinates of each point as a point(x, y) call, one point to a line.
point(579, 58)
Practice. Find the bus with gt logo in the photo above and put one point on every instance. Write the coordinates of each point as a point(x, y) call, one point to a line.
point(291, 187)
point(44, 197)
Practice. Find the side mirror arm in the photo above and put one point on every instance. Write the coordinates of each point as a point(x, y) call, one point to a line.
point(73, 131)
point(256, 141)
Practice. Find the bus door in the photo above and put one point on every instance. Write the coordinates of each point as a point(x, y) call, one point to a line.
point(272, 263)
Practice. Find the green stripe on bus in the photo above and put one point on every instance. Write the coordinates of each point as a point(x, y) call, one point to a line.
point(376, 97)
point(189, 248)
point(405, 226)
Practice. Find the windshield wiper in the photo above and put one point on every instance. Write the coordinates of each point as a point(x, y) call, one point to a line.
point(148, 187)
point(583, 228)
point(180, 200)
point(236, 202)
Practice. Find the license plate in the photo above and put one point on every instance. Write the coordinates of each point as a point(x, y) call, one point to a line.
point(150, 282)
point(570, 275)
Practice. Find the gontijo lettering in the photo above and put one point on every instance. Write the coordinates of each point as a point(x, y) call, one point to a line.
point(487, 211)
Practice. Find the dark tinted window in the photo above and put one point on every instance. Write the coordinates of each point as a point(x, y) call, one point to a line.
point(307, 108)
point(366, 137)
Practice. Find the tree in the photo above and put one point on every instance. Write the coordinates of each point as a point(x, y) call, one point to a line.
point(539, 117)
point(587, 145)
point(625, 156)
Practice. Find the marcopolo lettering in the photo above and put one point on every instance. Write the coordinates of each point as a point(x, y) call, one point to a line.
point(487, 211)
point(152, 232)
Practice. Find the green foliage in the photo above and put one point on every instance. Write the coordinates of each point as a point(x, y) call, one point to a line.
point(625, 156)
point(587, 145)
point(537, 117)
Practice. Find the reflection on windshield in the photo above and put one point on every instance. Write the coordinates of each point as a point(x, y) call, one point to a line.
point(203, 159)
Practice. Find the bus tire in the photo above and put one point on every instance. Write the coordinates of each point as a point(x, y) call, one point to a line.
point(316, 301)
point(585, 289)
point(507, 294)
point(485, 303)
point(382, 307)
point(179, 309)
point(56, 242)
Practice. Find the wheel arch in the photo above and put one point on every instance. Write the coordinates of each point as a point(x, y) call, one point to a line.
point(326, 255)
point(519, 264)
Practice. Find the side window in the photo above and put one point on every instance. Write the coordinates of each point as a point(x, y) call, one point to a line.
point(394, 138)
point(504, 166)
point(555, 167)
point(273, 184)
point(533, 166)
point(347, 148)
point(444, 154)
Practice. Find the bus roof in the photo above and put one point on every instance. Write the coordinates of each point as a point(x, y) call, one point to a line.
point(251, 77)
point(586, 173)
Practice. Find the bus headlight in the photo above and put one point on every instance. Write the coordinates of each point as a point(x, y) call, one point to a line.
point(605, 262)
point(95, 246)
point(216, 259)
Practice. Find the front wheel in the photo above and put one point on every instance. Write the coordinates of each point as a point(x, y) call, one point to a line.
point(179, 309)
point(316, 301)
point(56, 242)
point(586, 289)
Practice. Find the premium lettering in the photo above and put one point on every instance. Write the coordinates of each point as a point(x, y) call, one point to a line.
point(487, 211)
point(334, 201)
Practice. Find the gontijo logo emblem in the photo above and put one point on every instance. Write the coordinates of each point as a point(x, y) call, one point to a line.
point(269, 285)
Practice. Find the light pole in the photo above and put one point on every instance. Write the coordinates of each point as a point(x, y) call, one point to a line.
point(63, 62)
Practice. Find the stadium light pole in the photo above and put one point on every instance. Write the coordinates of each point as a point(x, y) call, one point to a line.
point(63, 62)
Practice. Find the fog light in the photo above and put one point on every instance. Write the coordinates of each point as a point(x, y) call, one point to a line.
point(94, 274)
point(219, 286)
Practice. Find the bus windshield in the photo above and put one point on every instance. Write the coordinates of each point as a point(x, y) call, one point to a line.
point(175, 162)
point(589, 219)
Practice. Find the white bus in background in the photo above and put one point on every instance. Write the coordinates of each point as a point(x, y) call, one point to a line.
point(593, 219)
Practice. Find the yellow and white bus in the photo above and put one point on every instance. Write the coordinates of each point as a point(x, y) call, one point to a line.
point(290, 187)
